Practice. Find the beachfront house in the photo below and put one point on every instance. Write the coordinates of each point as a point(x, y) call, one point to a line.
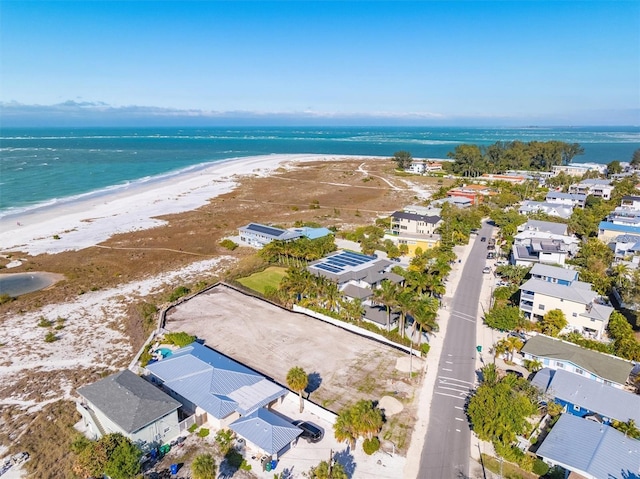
point(552, 209)
point(127, 404)
point(414, 230)
point(475, 193)
point(553, 274)
point(257, 235)
point(583, 309)
point(590, 450)
point(224, 393)
point(556, 354)
point(588, 399)
point(594, 187)
point(576, 200)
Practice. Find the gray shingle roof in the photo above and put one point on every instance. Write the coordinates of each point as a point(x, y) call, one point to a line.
point(547, 226)
point(128, 400)
point(591, 449)
point(607, 367)
point(566, 196)
point(540, 269)
point(578, 291)
point(216, 383)
point(595, 396)
point(416, 217)
point(353, 291)
point(266, 430)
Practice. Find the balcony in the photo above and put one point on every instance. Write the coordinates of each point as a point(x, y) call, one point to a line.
point(527, 295)
point(526, 306)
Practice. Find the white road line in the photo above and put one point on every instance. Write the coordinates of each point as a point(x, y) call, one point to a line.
point(449, 355)
point(455, 379)
point(450, 395)
point(458, 430)
point(445, 369)
point(453, 389)
point(463, 318)
point(459, 419)
point(458, 407)
point(449, 362)
point(460, 313)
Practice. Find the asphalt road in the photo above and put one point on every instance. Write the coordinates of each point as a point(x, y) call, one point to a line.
point(446, 451)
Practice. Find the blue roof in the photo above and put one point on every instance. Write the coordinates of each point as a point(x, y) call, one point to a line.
point(269, 432)
point(591, 449)
point(605, 225)
point(214, 382)
point(598, 397)
point(313, 233)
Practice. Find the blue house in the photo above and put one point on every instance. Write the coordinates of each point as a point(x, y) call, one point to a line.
point(588, 399)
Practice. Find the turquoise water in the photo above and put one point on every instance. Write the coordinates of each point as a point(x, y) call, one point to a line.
point(49, 166)
point(164, 351)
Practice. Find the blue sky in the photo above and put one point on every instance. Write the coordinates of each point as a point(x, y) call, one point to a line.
point(440, 63)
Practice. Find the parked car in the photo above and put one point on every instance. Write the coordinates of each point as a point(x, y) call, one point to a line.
point(483, 239)
point(486, 270)
point(517, 373)
point(518, 334)
point(490, 255)
point(310, 431)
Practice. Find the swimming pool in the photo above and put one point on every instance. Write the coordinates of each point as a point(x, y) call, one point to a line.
point(164, 351)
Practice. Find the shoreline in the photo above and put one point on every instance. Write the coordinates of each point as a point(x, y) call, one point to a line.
point(88, 221)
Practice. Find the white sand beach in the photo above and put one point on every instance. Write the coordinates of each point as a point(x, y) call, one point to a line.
point(84, 223)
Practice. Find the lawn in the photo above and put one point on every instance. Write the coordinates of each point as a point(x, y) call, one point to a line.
point(269, 277)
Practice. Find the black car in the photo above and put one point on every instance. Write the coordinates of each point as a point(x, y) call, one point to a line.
point(483, 239)
point(310, 432)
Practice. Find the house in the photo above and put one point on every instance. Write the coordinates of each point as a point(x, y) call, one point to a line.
point(630, 202)
point(475, 193)
point(578, 169)
point(595, 187)
point(414, 230)
point(588, 399)
point(552, 209)
point(583, 310)
point(559, 229)
point(592, 450)
point(558, 354)
point(424, 166)
point(225, 393)
point(570, 199)
point(255, 234)
point(127, 404)
point(423, 210)
point(529, 251)
point(626, 248)
point(513, 179)
point(553, 274)
point(608, 230)
point(457, 201)
point(312, 233)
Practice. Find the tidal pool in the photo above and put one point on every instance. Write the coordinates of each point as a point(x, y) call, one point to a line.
point(22, 283)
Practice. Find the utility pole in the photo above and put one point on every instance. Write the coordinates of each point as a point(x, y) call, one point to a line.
point(330, 475)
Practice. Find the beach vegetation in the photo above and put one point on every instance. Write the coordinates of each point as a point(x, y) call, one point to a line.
point(314, 205)
point(635, 158)
point(56, 237)
point(178, 293)
point(148, 312)
point(298, 252)
point(224, 438)
point(203, 432)
point(50, 337)
point(504, 318)
point(113, 454)
point(228, 244)
point(179, 338)
point(146, 356)
point(5, 298)
point(44, 322)
point(370, 446)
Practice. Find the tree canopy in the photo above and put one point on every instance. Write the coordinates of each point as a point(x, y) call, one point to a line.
point(504, 318)
point(403, 159)
point(362, 419)
point(297, 379)
point(113, 454)
point(553, 322)
point(204, 467)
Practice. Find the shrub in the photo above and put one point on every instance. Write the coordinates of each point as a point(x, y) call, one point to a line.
point(425, 347)
point(178, 293)
point(56, 237)
point(44, 322)
point(228, 244)
point(180, 339)
point(203, 432)
point(371, 445)
point(50, 337)
point(234, 459)
point(224, 438)
point(5, 298)
point(145, 357)
point(192, 428)
point(540, 467)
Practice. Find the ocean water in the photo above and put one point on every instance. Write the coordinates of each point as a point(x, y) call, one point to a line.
point(47, 166)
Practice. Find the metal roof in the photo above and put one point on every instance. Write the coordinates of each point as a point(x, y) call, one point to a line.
point(270, 231)
point(627, 239)
point(556, 272)
point(596, 182)
point(591, 449)
point(346, 265)
point(608, 401)
point(578, 291)
point(567, 196)
point(563, 211)
point(416, 217)
point(312, 233)
point(603, 365)
point(378, 314)
point(128, 400)
point(216, 383)
point(547, 226)
point(606, 225)
point(269, 432)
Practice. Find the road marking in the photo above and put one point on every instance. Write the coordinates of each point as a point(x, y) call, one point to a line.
point(449, 355)
point(458, 430)
point(459, 419)
point(454, 389)
point(460, 313)
point(458, 407)
point(449, 362)
point(450, 395)
point(455, 379)
point(445, 369)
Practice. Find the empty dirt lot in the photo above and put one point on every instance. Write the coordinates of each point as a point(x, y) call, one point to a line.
point(272, 340)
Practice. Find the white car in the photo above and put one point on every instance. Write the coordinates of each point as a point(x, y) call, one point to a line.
point(486, 270)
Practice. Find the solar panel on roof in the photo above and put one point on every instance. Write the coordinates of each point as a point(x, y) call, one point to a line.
point(326, 267)
point(265, 229)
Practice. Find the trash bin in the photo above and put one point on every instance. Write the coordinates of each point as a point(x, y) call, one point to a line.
point(268, 467)
point(274, 463)
point(174, 469)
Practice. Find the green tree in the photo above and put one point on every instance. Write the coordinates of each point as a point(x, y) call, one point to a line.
point(403, 159)
point(297, 379)
point(614, 168)
point(361, 419)
point(628, 428)
point(204, 467)
point(553, 322)
point(124, 459)
point(113, 454)
point(508, 346)
point(326, 471)
point(504, 318)
point(635, 159)
point(387, 295)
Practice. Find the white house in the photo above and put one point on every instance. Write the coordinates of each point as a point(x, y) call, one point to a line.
point(626, 248)
point(596, 187)
point(255, 234)
point(552, 209)
point(127, 404)
point(570, 199)
point(582, 308)
point(544, 227)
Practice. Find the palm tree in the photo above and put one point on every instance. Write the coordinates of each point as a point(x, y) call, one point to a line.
point(386, 295)
point(203, 467)
point(331, 296)
point(353, 310)
point(405, 300)
point(343, 428)
point(509, 345)
point(621, 274)
point(424, 312)
point(297, 379)
point(326, 471)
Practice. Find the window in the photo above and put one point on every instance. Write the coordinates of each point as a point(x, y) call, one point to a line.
point(541, 306)
point(575, 315)
point(576, 407)
point(560, 365)
point(579, 371)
